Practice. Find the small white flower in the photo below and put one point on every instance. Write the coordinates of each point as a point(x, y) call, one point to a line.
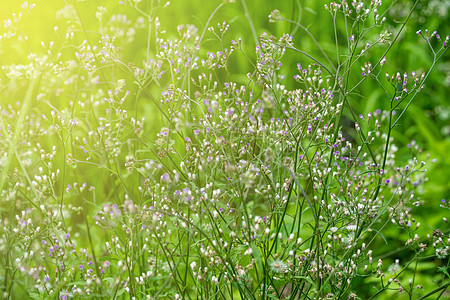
point(351, 227)
point(441, 253)
point(394, 268)
point(277, 266)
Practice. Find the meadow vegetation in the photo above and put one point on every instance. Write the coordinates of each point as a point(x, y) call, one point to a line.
point(249, 152)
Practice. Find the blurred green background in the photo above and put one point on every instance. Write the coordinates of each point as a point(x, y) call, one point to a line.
point(426, 121)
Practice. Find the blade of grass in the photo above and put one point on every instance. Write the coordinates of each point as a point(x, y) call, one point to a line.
point(17, 131)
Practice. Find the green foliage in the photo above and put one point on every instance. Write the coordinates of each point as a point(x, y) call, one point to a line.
point(218, 150)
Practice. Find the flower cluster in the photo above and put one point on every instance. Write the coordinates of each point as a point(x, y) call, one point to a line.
point(166, 176)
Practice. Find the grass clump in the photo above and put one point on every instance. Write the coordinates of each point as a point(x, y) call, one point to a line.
point(159, 176)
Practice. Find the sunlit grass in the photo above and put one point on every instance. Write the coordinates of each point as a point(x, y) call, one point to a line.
point(141, 158)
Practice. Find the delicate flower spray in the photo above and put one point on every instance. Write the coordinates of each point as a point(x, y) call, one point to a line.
point(160, 179)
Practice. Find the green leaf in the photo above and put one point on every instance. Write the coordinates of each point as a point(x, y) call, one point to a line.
point(307, 279)
point(109, 279)
point(381, 235)
point(77, 283)
point(443, 270)
point(120, 292)
point(34, 295)
point(257, 255)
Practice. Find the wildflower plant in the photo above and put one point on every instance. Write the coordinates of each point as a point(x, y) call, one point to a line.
point(165, 179)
